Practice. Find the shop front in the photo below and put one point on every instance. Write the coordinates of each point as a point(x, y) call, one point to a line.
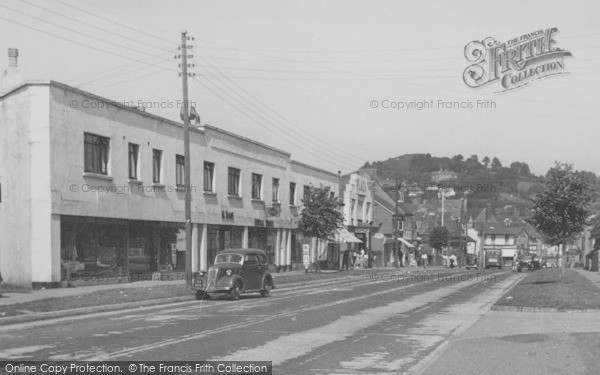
point(100, 250)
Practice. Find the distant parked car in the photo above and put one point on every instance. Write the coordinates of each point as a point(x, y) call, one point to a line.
point(235, 271)
point(528, 263)
point(471, 261)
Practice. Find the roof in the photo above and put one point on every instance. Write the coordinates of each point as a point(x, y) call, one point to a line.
point(501, 229)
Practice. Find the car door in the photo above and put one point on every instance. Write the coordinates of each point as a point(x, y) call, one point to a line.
point(252, 273)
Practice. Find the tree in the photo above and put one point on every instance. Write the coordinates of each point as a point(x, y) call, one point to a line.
point(486, 161)
point(439, 237)
point(321, 215)
point(457, 158)
point(496, 164)
point(560, 211)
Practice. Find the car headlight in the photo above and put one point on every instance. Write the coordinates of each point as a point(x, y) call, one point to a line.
point(228, 272)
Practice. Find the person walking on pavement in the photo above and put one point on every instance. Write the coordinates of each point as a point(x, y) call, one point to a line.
point(424, 260)
point(345, 260)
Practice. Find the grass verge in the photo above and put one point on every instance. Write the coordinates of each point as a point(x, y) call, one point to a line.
point(543, 289)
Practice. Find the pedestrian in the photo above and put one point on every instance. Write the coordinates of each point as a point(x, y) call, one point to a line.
point(424, 259)
point(345, 260)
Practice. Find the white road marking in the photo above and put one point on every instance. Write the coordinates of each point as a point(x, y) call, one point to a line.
point(22, 352)
point(298, 344)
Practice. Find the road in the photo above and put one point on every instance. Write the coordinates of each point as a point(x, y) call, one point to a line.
point(376, 324)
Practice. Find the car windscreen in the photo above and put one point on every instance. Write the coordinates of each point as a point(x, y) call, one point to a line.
point(229, 258)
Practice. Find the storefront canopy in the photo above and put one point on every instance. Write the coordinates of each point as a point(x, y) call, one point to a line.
point(347, 237)
point(400, 239)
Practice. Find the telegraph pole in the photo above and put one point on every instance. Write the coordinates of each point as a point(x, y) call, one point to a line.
point(396, 260)
point(185, 114)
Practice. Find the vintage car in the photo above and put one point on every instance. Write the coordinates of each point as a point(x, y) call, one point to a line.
point(234, 272)
point(528, 262)
point(471, 261)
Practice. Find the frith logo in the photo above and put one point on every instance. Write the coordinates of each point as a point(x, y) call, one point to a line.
point(515, 63)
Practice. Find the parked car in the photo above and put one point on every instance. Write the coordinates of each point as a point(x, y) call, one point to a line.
point(529, 263)
point(471, 261)
point(234, 272)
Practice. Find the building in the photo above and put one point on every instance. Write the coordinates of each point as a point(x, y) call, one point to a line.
point(358, 210)
point(90, 188)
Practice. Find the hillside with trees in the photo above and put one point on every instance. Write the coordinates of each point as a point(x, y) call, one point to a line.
point(512, 185)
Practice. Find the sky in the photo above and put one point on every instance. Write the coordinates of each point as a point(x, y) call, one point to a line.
point(324, 80)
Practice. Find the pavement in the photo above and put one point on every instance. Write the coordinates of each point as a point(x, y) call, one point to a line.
point(593, 276)
point(503, 342)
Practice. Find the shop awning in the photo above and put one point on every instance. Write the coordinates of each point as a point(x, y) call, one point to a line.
point(408, 244)
point(347, 237)
point(400, 239)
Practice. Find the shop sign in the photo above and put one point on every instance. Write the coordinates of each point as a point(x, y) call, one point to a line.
point(270, 224)
point(259, 223)
point(180, 246)
point(306, 255)
point(361, 230)
point(227, 215)
point(272, 210)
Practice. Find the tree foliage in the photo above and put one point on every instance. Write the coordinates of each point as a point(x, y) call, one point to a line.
point(439, 237)
point(561, 209)
point(321, 215)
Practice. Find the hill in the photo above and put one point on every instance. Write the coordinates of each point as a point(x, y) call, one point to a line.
point(488, 180)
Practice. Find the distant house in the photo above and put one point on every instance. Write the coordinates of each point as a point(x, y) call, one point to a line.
point(443, 175)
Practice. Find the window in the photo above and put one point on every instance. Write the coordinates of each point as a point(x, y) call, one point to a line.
point(506, 239)
point(95, 153)
point(233, 182)
point(209, 170)
point(256, 186)
point(133, 161)
point(292, 194)
point(179, 170)
point(275, 190)
point(156, 165)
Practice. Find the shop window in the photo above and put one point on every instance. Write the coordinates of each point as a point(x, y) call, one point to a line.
point(133, 161)
point(96, 153)
point(209, 171)
point(156, 166)
point(179, 170)
point(233, 182)
point(94, 247)
point(256, 186)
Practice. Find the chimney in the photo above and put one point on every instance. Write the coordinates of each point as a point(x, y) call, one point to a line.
point(12, 76)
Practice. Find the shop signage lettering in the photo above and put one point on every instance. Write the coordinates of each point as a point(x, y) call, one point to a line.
point(227, 215)
point(259, 223)
point(361, 230)
point(270, 224)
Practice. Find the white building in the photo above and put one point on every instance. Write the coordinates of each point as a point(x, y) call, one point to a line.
point(91, 187)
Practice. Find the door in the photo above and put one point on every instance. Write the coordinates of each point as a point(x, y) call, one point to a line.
point(252, 272)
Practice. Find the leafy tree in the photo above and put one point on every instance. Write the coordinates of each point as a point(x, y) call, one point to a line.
point(457, 158)
point(438, 238)
point(496, 164)
point(561, 209)
point(486, 161)
point(520, 169)
point(321, 215)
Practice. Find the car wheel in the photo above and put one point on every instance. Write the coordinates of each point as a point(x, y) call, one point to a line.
point(235, 291)
point(200, 295)
point(267, 289)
